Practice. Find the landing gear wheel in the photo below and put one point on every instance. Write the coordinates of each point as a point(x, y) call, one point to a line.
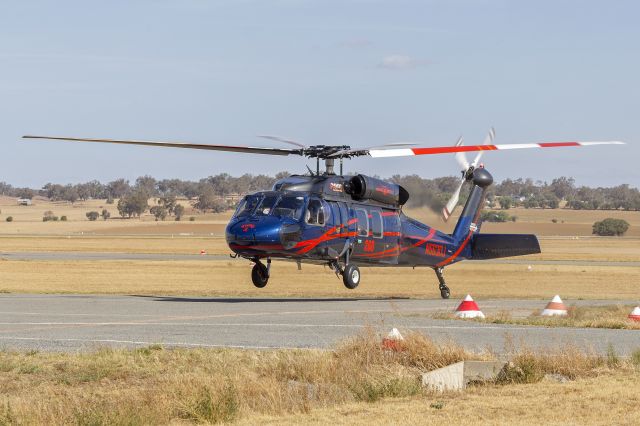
point(351, 276)
point(444, 292)
point(259, 275)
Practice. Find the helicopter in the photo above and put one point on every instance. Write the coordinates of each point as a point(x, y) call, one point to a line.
point(350, 221)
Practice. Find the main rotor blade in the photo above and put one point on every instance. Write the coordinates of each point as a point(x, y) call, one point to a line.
point(406, 152)
point(279, 139)
point(227, 148)
point(487, 141)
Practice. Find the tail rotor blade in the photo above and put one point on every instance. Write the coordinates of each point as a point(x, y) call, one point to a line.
point(461, 157)
point(450, 207)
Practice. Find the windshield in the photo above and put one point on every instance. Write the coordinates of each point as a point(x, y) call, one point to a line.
point(246, 206)
point(289, 206)
point(266, 205)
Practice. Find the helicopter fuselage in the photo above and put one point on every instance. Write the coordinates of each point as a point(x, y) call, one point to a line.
point(314, 219)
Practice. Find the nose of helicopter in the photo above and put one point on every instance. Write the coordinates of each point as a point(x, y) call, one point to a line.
point(255, 235)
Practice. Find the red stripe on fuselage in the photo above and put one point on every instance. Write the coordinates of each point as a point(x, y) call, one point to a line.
point(457, 253)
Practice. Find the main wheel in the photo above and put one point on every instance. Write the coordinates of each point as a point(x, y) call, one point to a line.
point(444, 292)
point(259, 275)
point(351, 276)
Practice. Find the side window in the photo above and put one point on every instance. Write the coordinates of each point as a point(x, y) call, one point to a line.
point(363, 222)
point(376, 224)
point(315, 214)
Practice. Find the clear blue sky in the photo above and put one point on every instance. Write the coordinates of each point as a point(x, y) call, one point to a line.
point(357, 72)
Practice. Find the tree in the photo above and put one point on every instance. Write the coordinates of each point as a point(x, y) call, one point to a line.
point(610, 226)
point(93, 215)
point(105, 214)
point(178, 211)
point(133, 204)
point(160, 212)
point(118, 188)
point(70, 193)
point(26, 193)
point(505, 202)
point(147, 184)
point(207, 200)
point(168, 201)
point(563, 187)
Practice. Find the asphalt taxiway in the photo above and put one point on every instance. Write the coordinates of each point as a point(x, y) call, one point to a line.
point(84, 322)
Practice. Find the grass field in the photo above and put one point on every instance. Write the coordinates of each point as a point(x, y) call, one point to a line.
point(357, 382)
point(232, 278)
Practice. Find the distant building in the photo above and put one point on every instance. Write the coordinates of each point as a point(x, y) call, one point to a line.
point(24, 202)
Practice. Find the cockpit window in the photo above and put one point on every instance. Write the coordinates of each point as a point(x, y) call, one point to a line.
point(289, 206)
point(246, 205)
point(315, 214)
point(266, 205)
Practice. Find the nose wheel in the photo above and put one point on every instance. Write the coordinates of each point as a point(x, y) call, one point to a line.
point(260, 273)
point(444, 290)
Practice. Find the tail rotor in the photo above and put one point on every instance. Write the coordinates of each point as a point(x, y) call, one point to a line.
point(467, 172)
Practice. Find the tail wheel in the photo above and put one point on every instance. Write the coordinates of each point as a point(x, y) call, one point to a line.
point(351, 276)
point(259, 275)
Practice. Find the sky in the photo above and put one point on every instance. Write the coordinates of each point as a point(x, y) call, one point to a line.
point(354, 72)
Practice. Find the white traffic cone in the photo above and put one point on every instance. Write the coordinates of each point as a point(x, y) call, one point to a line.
point(555, 308)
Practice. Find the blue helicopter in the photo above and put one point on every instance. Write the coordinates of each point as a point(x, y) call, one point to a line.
point(350, 221)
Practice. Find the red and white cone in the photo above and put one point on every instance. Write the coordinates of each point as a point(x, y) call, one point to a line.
point(392, 341)
point(635, 314)
point(555, 308)
point(468, 308)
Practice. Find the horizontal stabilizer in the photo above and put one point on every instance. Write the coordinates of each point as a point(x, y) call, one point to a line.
point(493, 246)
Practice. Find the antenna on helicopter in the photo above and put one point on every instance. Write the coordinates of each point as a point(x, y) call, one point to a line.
point(310, 171)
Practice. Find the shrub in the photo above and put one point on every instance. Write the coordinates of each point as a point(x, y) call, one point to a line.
point(63, 218)
point(505, 203)
point(192, 219)
point(554, 220)
point(49, 216)
point(9, 219)
point(93, 215)
point(495, 216)
point(610, 226)
point(105, 214)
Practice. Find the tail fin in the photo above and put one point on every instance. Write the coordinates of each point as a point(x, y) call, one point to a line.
point(469, 222)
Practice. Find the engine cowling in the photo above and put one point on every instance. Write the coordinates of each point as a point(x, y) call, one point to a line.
point(363, 187)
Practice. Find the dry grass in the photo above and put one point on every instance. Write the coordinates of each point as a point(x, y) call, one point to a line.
point(115, 244)
point(152, 385)
point(232, 278)
point(607, 316)
point(606, 399)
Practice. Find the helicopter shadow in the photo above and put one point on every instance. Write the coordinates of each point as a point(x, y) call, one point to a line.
point(264, 300)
